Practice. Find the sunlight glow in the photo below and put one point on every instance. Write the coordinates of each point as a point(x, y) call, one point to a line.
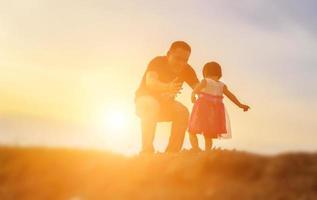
point(117, 128)
point(115, 120)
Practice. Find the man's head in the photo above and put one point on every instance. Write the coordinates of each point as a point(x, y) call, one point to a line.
point(178, 54)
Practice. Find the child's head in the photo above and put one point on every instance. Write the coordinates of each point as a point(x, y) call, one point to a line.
point(212, 69)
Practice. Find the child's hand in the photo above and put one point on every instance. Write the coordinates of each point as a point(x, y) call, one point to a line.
point(244, 107)
point(193, 98)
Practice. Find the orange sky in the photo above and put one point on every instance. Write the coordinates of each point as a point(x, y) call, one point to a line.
point(78, 61)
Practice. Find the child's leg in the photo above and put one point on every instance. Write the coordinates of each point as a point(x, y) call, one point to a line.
point(193, 140)
point(208, 143)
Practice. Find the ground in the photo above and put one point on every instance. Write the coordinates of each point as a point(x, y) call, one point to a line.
point(70, 174)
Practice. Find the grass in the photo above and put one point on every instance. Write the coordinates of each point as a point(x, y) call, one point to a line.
point(47, 173)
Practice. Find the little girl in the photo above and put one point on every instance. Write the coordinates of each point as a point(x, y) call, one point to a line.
point(208, 115)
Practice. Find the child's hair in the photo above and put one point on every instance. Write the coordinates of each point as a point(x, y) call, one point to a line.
point(212, 69)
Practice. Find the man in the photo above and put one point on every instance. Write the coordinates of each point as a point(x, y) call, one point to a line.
point(155, 97)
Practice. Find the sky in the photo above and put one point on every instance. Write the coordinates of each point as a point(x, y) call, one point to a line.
point(69, 69)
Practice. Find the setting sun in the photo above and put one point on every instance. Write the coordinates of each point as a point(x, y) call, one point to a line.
point(115, 126)
point(115, 120)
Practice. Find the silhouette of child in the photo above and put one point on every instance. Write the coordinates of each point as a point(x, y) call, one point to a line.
point(208, 114)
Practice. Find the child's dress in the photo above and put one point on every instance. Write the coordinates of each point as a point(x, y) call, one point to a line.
point(209, 116)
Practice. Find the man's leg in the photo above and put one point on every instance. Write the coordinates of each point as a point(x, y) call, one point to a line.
point(179, 118)
point(147, 108)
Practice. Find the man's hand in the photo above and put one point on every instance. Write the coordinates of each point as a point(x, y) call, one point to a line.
point(244, 107)
point(171, 89)
point(174, 87)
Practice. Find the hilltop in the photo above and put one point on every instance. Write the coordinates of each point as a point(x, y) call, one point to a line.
point(47, 173)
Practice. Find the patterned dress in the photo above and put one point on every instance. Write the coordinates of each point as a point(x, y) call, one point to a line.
point(209, 116)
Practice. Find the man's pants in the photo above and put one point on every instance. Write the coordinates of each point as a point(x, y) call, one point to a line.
point(151, 111)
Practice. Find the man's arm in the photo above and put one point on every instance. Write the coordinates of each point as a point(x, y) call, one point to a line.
point(154, 83)
point(192, 79)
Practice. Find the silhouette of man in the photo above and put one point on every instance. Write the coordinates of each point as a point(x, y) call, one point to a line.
point(155, 97)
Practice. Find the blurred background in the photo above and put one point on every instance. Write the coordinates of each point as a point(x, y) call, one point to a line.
point(69, 69)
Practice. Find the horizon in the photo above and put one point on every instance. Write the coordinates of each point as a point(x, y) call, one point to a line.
point(69, 70)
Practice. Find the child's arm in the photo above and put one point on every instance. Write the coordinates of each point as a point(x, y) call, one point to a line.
point(234, 99)
point(197, 89)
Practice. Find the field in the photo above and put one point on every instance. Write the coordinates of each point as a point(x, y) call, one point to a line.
point(72, 174)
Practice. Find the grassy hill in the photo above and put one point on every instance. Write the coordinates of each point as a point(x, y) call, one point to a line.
point(44, 173)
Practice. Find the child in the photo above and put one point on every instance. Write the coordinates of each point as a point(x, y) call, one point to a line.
point(208, 115)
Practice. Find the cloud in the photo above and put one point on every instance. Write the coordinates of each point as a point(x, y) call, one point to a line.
point(277, 15)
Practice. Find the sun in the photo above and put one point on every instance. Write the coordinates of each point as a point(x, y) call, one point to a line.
point(116, 128)
point(112, 120)
point(115, 120)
